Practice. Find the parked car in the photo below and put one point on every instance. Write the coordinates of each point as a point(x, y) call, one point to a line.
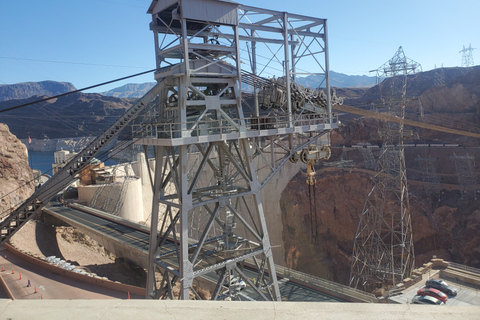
point(433, 293)
point(442, 286)
point(426, 300)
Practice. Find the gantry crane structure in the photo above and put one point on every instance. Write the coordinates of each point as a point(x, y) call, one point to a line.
point(212, 211)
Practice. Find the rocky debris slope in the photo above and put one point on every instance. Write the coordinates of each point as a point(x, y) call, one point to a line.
point(44, 240)
point(15, 174)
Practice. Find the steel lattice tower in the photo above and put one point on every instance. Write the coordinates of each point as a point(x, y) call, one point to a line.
point(431, 181)
point(211, 158)
point(368, 157)
point(383, 246)
point(439, 76)
point(467, 56)
point(464, 166)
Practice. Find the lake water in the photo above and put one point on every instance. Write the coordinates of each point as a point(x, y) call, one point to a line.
point(43, 160)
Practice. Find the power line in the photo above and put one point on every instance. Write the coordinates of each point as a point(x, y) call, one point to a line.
point(70, 62)
point(75, 91)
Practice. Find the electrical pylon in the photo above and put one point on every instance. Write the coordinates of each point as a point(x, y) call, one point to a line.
point(383, 246)
point(464, 166)
point(467, 56)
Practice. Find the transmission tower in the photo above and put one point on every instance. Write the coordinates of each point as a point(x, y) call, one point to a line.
point(212, 154)
point(383, 245)
point(431, 181)
point(467, 56)
point(439, 76)
point(466, 178)
point(368, 157)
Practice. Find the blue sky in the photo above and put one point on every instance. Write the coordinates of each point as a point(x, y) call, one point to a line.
point(92, 41)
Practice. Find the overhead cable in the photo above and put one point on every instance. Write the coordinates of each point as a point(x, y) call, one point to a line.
point(75, 91)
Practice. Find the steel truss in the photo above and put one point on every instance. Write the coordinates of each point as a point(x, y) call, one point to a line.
point(211, 159)
point(467, 56)
point(383, 245)
point(431, 181)
point(464, 166)
point(368, 157)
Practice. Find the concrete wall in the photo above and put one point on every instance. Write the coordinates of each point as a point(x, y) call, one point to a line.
point(85, 193)
point(233, 310)
point(132, 207)
point(270, 195)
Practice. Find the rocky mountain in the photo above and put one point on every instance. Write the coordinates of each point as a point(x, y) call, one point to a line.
point(130, 90)
point(75, 115)
point(338, 80)
point(26, 90)
point(420, 83)
point(15, 174)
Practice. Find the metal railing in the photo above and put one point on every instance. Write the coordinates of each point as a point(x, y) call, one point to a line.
point(320, 283)
point(464, 267)
point(172, 130)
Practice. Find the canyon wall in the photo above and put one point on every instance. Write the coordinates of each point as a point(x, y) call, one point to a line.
point(448, 227)
point(15, 174)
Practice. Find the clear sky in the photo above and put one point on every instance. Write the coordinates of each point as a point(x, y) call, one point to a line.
point(92, 41)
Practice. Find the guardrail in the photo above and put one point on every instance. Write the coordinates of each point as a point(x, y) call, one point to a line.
point(326, 285)
point(224, 126)
point(464, 267)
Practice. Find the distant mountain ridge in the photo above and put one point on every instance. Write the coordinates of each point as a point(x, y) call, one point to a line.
point(26, 90)
point(130, 90)
point(338, 80)
point(74, 115)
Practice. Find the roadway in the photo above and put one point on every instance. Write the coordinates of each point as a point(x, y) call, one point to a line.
point(139, 240)
point(49, 285)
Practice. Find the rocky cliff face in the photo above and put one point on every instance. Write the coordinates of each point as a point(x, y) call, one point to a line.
point(15, 174)
point(446, 225)
point(448, 228)
point(28, 89)
point(339, 201)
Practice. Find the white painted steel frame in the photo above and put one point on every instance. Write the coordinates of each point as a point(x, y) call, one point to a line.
point(255, 150)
